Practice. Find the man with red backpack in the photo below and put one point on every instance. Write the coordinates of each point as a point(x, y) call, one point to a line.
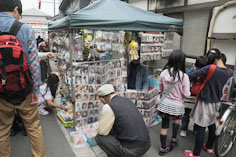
point(19, 78)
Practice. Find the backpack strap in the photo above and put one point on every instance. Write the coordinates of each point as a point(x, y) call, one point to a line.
point(230, 71)
point(15, 27)
point(209, 75)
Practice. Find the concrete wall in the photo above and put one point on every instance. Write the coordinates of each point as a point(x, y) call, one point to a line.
point(142, 4)
point(226, 21)
point(169, 3)
point(190, 2)
point(195, 32)
point(228, 47)
point(225, 26)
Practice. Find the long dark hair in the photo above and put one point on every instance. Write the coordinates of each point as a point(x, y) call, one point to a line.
point(52, 83)
point(177, 62)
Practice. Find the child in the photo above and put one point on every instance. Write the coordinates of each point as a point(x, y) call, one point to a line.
point(47, 94)
point(200, 62)
point(172, 107)
point(208, 103)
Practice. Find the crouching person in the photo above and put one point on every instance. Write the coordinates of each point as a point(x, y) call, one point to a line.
point(122, 131)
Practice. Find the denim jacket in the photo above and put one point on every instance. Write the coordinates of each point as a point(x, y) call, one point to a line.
point(27, 39)
point(141, 77)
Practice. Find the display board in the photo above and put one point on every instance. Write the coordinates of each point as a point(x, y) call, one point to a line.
point(146, 103)
point(88, 77)
point(155, 45)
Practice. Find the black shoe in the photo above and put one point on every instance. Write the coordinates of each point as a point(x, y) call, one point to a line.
point(13, 132)
point(174, 142)
point(24, 133)
point(164, 151)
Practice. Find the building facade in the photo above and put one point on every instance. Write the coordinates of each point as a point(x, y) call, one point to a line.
point(197, 15)
point(38, 20)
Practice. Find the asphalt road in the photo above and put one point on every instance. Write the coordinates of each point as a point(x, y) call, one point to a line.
point(56, 145)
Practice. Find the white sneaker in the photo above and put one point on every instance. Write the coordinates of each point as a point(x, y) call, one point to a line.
point(183, 133)
point(43, 112)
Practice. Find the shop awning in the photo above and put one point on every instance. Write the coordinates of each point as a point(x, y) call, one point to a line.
point(59, 24)
point(118, 15)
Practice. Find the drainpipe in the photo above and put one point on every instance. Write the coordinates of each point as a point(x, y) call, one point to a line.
point(213, 19)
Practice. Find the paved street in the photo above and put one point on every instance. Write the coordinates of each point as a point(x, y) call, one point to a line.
point(57, 145)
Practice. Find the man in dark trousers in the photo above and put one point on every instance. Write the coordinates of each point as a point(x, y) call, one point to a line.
point(122, 131)
point(27, 102)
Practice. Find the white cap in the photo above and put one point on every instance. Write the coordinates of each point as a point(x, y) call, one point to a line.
point(105, 89)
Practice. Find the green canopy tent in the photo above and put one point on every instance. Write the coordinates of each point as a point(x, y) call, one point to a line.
point(115, 15)
point(62, 23)
point(118, 15)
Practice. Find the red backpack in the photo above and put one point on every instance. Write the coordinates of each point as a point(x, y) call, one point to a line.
point(15, 80)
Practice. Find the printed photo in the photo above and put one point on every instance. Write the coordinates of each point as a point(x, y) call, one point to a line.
point(85, 97)
point(92, 70)
point(97, 104)
point(85, 71)
point(124, 80)
point(96, 112)
point(78, 123)
point(84, 106)
point(91, 79)
point(118, 64)
point(91, 113)
point(78, 115)
point(118, 73)
point(78, 107)
point(91, 97)
point(85, 80)
point(99, 80)
point(90, 105)
point(78, 88)
point(146, 114)
point(124, 62)
point(78, 97)
point(85, 114)
point(85, 89)
point(91, 89)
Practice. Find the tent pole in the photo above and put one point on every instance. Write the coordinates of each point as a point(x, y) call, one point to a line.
point(71, 73)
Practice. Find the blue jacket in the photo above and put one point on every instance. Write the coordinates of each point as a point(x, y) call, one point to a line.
point(27, 39)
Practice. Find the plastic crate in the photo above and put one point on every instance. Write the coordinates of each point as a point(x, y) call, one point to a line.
point(66, 124)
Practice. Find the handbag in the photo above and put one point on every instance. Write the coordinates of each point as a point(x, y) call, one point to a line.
point(196, 86)
point(161, 97)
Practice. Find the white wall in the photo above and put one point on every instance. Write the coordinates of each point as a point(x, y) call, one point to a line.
point(228, 47)
point(190, 2)
point(226, 21)
point(142, 4)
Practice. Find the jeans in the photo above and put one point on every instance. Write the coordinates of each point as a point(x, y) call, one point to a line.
point(185, 119)
point(200, 137)
point(112, 147)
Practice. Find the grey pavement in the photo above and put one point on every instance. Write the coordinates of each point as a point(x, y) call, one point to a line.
point(57, 143)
